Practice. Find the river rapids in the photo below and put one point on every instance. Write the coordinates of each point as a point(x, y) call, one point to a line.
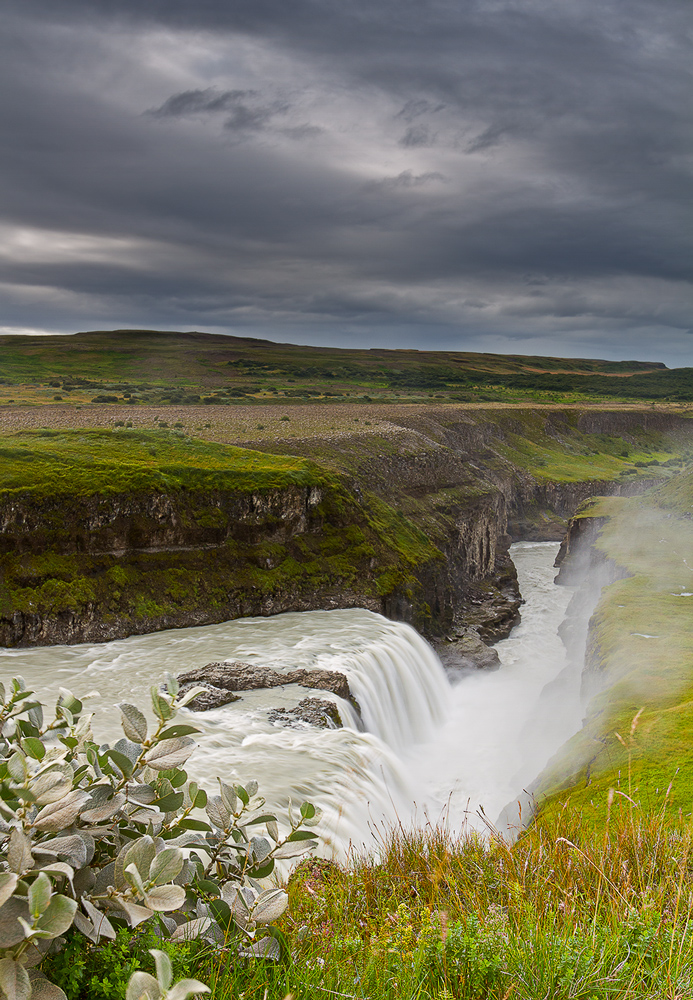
point(424, 750)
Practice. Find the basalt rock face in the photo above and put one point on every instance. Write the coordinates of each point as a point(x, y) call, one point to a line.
point(100, 568)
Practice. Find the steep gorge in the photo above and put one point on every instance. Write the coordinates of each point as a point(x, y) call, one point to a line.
point(416, 525)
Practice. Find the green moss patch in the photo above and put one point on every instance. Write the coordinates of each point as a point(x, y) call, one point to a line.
point(88, 462)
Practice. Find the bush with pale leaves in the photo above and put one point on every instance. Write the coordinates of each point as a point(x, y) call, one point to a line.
point(97, 836)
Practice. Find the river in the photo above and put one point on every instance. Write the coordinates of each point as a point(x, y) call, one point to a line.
point(432, 749)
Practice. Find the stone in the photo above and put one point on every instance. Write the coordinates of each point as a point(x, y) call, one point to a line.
point(318, 712)
point(239, 676)
point(467, 652)
point(211, 697)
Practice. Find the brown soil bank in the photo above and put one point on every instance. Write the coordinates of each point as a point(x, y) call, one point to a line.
point(412, 519)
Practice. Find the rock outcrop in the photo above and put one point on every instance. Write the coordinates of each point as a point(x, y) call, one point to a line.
point(317, 712)
point(466, 653)
point(222, 680)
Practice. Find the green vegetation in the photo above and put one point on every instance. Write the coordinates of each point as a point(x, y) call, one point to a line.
point(141, 366)
point(98, 838)
point(85, 463)
point(280, 526)
point(565, 913)
point(636, 738)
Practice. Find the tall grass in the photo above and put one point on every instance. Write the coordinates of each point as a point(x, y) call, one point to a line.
point(571, 910)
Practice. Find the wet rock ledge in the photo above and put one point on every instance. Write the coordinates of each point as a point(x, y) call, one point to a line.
point(222, 680)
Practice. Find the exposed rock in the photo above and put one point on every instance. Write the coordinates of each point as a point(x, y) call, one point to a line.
point(211, 697)
point(467, 652)
point(238, 676)
point(318, 712)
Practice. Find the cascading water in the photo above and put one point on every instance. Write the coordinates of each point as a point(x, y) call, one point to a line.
point(428, 747)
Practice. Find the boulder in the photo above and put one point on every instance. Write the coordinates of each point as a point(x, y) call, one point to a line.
point(318, 712)
point(211, 697)
point(238, 676)
point(467, 652)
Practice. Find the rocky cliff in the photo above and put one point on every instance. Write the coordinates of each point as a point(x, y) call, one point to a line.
point(416, 525)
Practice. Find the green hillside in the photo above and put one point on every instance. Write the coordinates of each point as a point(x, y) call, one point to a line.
point(190, 368)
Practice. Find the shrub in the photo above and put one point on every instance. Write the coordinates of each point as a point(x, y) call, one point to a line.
point(96, 837)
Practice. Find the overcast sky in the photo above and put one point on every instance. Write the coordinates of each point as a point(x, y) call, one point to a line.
point(502, 175)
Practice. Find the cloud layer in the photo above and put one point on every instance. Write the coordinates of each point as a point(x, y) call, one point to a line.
point(470, 174)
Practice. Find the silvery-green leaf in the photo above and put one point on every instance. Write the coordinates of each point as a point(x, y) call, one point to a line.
point(164, 972)
point(73, 848)
point(294, 849)
point(142, 986)
point(68, 700)
point(272, 829)
point(8, 882)
point(191, 929)
point(14, 980)
point(134, 878)
point(144, 794)
point(59, 868)
point(39, 894)
point(58, 916)
point(228, 795)
point(105, 878)
point(266, 947)
point(165, 897)
point(166, 866)
point(269, 906)
point(41, 989)
point(141, 854)
point(229, 891)
point(101, 813)
point(135, 914)
point(133, 722)
point(217, 812)
point(52, 784)
point(161, 705)
point(85, 926)
point(172, 685)
point(19, 852)
point(251, 788)
point(11, 912)
point(170, 753)
point(102, 924)
point(185, 988)
point(58, 815)
point(190, 695)
point(35, 716)
point(17, 767)
point(261, 848)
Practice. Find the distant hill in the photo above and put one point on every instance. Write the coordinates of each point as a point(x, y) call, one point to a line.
point(147, 363)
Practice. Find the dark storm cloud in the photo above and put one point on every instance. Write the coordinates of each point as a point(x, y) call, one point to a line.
point(492, 172)
point(195, 102)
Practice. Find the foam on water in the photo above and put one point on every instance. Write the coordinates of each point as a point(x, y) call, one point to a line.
point(428, 748)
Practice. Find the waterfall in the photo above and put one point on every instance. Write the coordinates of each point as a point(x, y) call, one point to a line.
point(398, 682)
point(428, 749)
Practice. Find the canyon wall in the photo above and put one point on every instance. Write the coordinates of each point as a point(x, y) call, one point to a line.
point(417, 527)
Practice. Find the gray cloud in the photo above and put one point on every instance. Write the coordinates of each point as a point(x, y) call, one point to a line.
point(494, 172)
point(195, 102)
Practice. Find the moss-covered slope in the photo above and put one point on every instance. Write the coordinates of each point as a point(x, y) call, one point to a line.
point(636, 737)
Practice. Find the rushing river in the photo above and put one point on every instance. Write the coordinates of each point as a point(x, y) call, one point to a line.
point(430, 749)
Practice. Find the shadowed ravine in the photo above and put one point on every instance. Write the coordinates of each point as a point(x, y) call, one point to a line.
point(431, 748)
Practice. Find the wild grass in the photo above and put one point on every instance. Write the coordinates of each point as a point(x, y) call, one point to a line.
point(569, 911)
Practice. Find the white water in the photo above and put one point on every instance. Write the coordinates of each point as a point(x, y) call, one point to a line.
point(430, 749)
